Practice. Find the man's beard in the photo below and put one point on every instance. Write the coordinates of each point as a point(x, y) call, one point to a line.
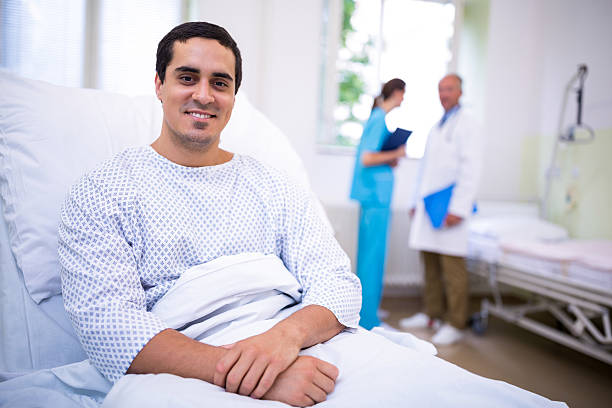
point(195, 142)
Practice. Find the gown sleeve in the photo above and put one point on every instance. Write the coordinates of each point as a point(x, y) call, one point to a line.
point(102, 292)
point(314, 257)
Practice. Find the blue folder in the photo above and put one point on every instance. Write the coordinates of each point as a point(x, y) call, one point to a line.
point(396, 139)
point(436, 205)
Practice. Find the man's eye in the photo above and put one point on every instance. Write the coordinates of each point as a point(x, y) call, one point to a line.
point(220, 84)
point(186, 78)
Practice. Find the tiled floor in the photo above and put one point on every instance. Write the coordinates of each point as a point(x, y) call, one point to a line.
point(512, 354)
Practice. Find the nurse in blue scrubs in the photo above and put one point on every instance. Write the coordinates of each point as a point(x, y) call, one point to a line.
point(373, 188)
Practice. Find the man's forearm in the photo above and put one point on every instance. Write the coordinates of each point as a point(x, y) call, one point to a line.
point(248, 367)
point(174, 353)
point(309, 326)
point(252, 365)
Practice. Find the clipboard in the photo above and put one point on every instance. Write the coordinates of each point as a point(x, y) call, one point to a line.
point(396, 139)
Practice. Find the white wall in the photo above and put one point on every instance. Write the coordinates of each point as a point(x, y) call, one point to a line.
point(513, 85)
point(244, 20)
point(534, 48)
point(576, 32)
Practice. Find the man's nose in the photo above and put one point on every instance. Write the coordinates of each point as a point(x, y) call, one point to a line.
point(203, 94)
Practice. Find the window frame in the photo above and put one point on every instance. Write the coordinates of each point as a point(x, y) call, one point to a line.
point(333, 9)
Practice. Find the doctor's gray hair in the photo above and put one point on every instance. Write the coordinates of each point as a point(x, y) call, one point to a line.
point(202, 29)
point(457, 77)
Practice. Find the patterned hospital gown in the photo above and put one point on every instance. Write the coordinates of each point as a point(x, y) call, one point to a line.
point(132, 226)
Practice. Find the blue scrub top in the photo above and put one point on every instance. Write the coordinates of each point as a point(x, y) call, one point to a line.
point(372, 186)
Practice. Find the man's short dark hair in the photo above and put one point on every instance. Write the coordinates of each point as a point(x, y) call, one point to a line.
point(202, 29)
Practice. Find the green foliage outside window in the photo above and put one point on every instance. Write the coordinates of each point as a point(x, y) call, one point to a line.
point(351, 88)
point(351, 82)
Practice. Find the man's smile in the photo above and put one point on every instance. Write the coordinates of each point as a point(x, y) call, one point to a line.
point(200, 115)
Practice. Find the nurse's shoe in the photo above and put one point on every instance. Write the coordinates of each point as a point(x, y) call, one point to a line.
point(447, 335)
point(382, 314)
point(419, 321)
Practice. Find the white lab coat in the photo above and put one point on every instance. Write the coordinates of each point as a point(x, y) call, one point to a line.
point(453, 155)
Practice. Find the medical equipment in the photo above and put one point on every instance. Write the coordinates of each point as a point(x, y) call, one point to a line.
point(577, 133)
point(570, 279)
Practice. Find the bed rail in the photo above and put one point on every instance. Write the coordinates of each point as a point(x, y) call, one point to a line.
point(583, 313)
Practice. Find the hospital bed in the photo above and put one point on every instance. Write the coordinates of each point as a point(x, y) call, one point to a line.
point(49, 136)
point(570, 279)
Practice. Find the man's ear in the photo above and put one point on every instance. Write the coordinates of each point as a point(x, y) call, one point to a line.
point(158, 85)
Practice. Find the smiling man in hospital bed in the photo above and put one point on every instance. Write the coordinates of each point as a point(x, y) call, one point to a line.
point(194, 276)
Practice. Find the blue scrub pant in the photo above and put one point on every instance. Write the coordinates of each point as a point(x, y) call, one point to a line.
point(371, 251)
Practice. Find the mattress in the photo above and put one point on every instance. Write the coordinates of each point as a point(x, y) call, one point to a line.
point(584, 263)
point(539, 247)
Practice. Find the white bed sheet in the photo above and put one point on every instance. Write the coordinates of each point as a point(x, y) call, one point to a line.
point(44, 327)
point(488, 233)
point(373, 370)
point(381, 374)
point(77, 385)
point(517, 226)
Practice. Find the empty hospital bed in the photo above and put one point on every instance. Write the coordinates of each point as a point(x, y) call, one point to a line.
point(570, 279)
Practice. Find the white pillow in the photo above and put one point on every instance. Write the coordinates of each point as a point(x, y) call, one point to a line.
point(51, 135)
point(251, 133)
point(517, 227)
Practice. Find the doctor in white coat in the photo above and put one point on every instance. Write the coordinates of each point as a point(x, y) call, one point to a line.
point(452, 157)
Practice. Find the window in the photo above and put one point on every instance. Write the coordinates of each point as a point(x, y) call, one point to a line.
point(43, 39)
point(380, 40)
point(105, 44)
point(129, 33)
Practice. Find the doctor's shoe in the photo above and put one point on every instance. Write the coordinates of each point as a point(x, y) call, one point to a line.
point(419, 321)
point(447, 335)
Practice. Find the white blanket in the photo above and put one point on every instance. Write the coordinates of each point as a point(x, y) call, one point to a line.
point(232, 298)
